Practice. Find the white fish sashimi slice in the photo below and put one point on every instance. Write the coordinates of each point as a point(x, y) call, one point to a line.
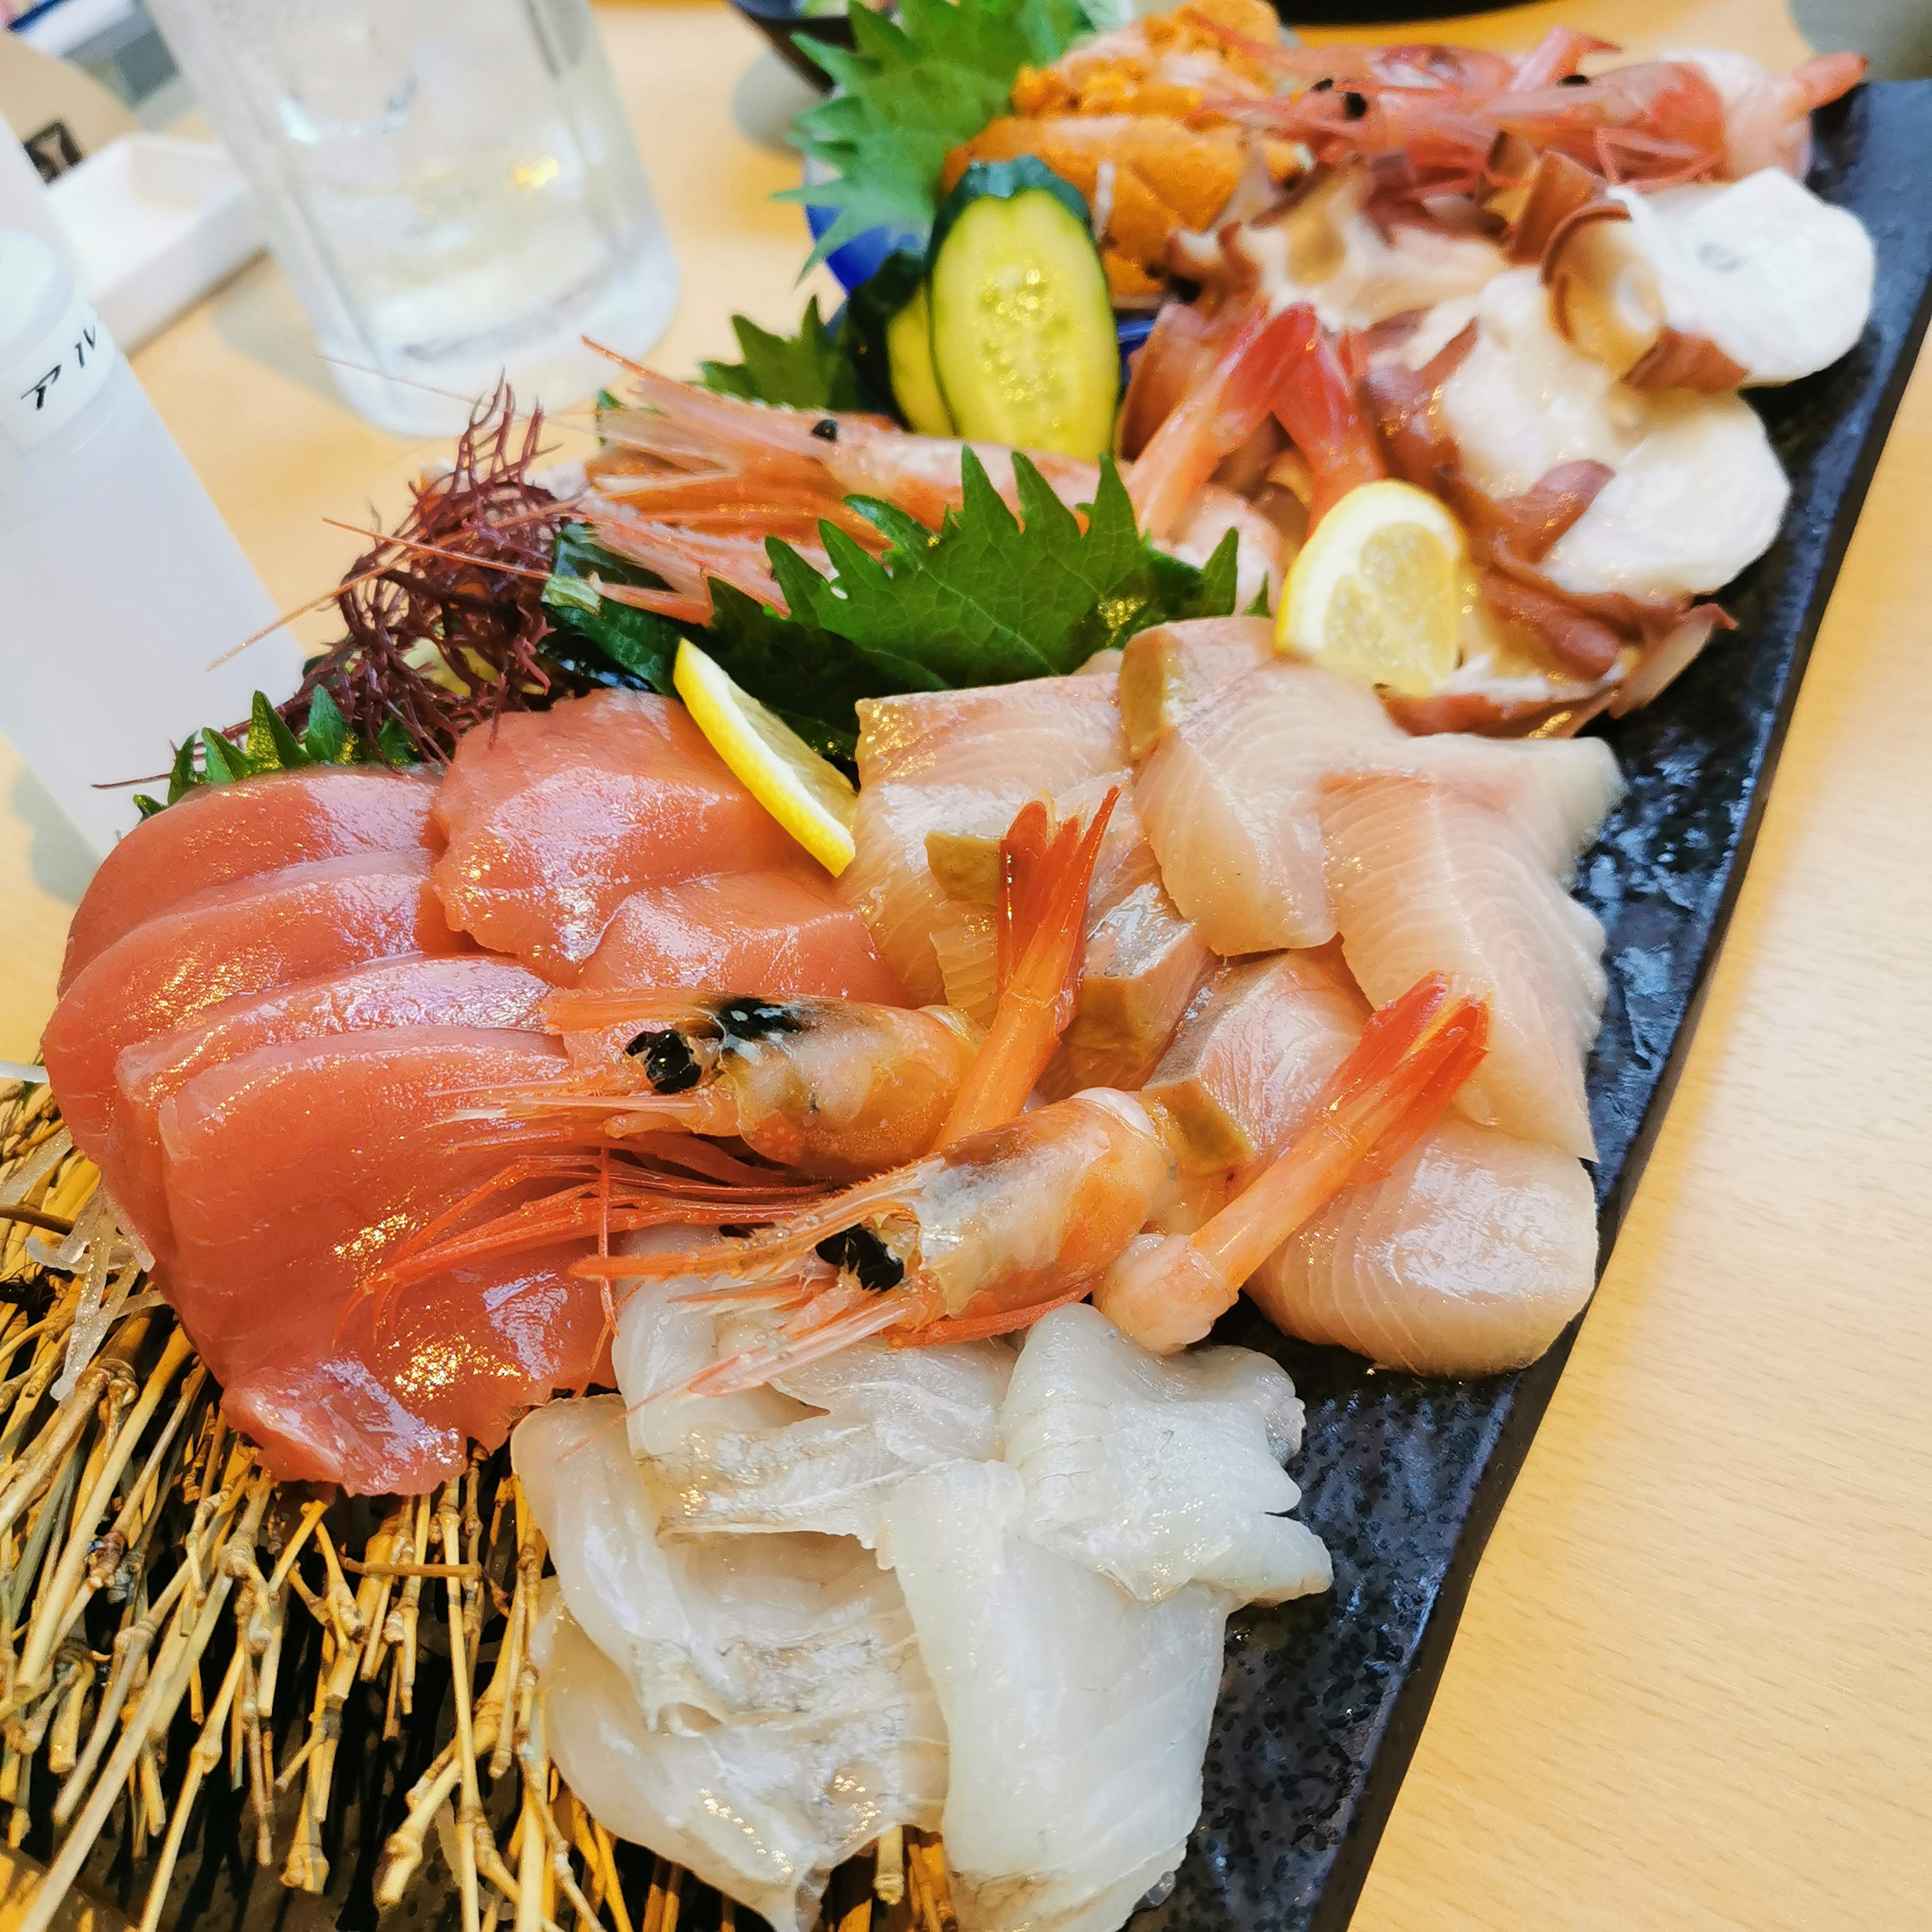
point(961, 762)
point(1470, 1257)
point(1557, 792)
point(1076, 1717)
point(1046, 731)
point(1228, 795)
point(889, 882)
point(763, 1813)
point(1427, 879)
point(1158, 1473)
point(820, 1450)
point(1173, 669)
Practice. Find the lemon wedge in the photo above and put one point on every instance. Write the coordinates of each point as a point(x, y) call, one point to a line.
point(1376, 593)
point(808, 795)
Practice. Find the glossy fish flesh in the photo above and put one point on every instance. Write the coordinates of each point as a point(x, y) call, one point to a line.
point(293, 1174)
point(1427, 878)
point(782, 932)
point(244, 937)
point(1472, 1257)
point(219, 833)
point(463, 990)
point(554, 818)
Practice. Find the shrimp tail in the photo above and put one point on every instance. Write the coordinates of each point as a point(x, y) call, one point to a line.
point(1825, 78)
point(1042, 920)
point(1414, 1054)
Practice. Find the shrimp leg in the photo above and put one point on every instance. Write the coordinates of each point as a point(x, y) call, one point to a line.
point(1167, 1291)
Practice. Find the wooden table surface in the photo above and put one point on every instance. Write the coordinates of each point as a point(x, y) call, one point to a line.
point(1692, 1687)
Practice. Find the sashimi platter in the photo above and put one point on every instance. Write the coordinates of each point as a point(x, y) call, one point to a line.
point(835, 1188)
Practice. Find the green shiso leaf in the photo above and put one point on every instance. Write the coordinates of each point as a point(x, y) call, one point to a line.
point(911, 92)
point(989, 598)
point(272, 745)
point(809, 370)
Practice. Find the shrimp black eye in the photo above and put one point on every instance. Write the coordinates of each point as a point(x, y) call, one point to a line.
point(859, 1252)
point(1574, 80)
point(669, 1065)
point(757, 1019)
point(826, 429)
point(1322, 85)
point(1354, 105)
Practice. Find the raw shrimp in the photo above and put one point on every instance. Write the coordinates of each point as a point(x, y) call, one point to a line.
point(830, 1089)
point(1166, 1291)
point(1691, 116)
point(1767, 116)
point(690, 484)
point(1001, 1227)
point(702, 461)
point(834, 1090)
point(1280, 364)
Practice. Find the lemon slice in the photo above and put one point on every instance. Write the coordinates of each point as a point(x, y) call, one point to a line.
point(808, 795)
point(1376, 593)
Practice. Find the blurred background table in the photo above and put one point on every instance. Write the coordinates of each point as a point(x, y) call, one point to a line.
point(1692, 1687)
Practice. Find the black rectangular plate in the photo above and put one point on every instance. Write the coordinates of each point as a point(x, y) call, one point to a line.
point(1323, 1699)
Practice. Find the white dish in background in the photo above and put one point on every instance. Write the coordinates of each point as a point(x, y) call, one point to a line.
point(154, 223)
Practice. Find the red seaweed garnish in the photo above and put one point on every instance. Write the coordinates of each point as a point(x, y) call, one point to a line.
point(445, 616)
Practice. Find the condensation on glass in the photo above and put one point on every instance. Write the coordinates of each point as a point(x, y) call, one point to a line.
point(450, 185)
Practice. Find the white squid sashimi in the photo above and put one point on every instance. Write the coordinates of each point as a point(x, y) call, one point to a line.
point(1160, 1473)
point(820, 1449)
point(762, 1812)
point(764, 1697)
point(1471, 1257)
point(1076, 1716)
point(1697, 492)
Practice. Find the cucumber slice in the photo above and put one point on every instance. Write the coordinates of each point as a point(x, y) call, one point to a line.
point(1023, 339)
point(909, 353)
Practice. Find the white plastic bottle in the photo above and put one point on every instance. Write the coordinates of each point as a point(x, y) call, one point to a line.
point(119, 582)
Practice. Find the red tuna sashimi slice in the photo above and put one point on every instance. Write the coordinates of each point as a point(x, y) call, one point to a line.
point(294, 1173)
point(219, 833)
point(1428, 879)
point(784, 933)
point(1228, 796)
point(299, 923)
point(962, 762)
point(555, 817)
point(1470, 1257)
point(465, 990)
point(464, 1355)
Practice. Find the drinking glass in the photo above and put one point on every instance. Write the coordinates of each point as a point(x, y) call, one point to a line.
point(449, 184)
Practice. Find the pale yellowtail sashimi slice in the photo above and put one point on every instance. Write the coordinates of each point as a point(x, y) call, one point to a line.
point(1228, 795)
point(1557, 792)
point(954, 762)
point(1471, 1257)
point(1428, 879)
